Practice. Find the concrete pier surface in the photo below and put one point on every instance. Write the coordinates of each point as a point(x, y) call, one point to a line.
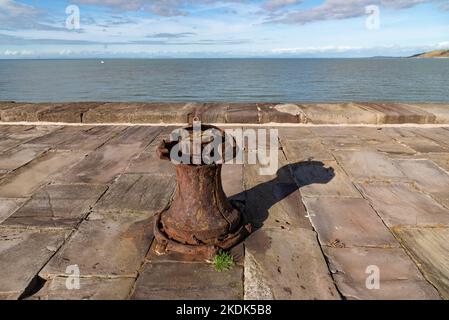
point(348, 203)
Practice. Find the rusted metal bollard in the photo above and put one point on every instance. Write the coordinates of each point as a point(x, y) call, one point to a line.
point(200, 220)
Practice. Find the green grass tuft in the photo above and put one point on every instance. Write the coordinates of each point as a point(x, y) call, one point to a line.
point(223, 261)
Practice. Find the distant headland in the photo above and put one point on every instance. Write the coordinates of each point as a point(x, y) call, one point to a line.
point(433, 54)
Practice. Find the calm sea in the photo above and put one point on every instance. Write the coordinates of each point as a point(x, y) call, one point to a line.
point(231, 80)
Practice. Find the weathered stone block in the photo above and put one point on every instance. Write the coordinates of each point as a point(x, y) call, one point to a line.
point(209, 112)
point(8, 206)
point(242, 113)
point(397, 113)
point(399, 278)
point(317, 179)
point(139, 113)
point(106, 163)
point(56, 206)
point(281, 113)
point(282, 264)
point(26, 112)
point(348, 223)
point(188, 281)
point(19, 156)
point(305, 150)
point(67, 112)
point(90, 289)
point(346, 113)
point(429, 246)
point(402, 205)
point(105, 246)
point(150, 163)
point(140, 194)
point(364, 165)
point(26, 180)
point(423, 145)
point(23, 253)
point(441, 111)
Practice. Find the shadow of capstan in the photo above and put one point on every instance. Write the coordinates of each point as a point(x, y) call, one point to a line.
point(290, 178)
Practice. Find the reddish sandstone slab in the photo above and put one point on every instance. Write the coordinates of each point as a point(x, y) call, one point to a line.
point(56, 206)
point(138, 194)
point(348, 222)
point(104, 246)
point(191, 281)
point(281, 264)
point(429, 246)
point(402, 205)
point(23, 253)
point(90, 289)
point(368, 165)
point(24, 181)
point(400, 279)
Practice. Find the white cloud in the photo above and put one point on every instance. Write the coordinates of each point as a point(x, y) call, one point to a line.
point(159, 7)
point(342, 9)
point(320, 49)
point(273, 5)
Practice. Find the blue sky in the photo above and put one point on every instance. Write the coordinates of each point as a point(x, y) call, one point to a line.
point(226, 28)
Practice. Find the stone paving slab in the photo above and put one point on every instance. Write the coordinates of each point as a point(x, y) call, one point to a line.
point(8, 206)
point(56, 206)
point(17, 157)
point(368, 166)
point(23, 182)
point(420, 171)
point(302, 150)
point(138, 194)
point(104, 246)
point(348, 223)
point(400, 279)
point(286, 265)
point(441, 159)
point(188, 281)
point(403, 205)
point(148, 162)
point(106, 163)
point(439, 135)
point(22, 255)
point(320, 179)
point(430, 247)
point(89, 289)
point(27, 132)
point(423, 145)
